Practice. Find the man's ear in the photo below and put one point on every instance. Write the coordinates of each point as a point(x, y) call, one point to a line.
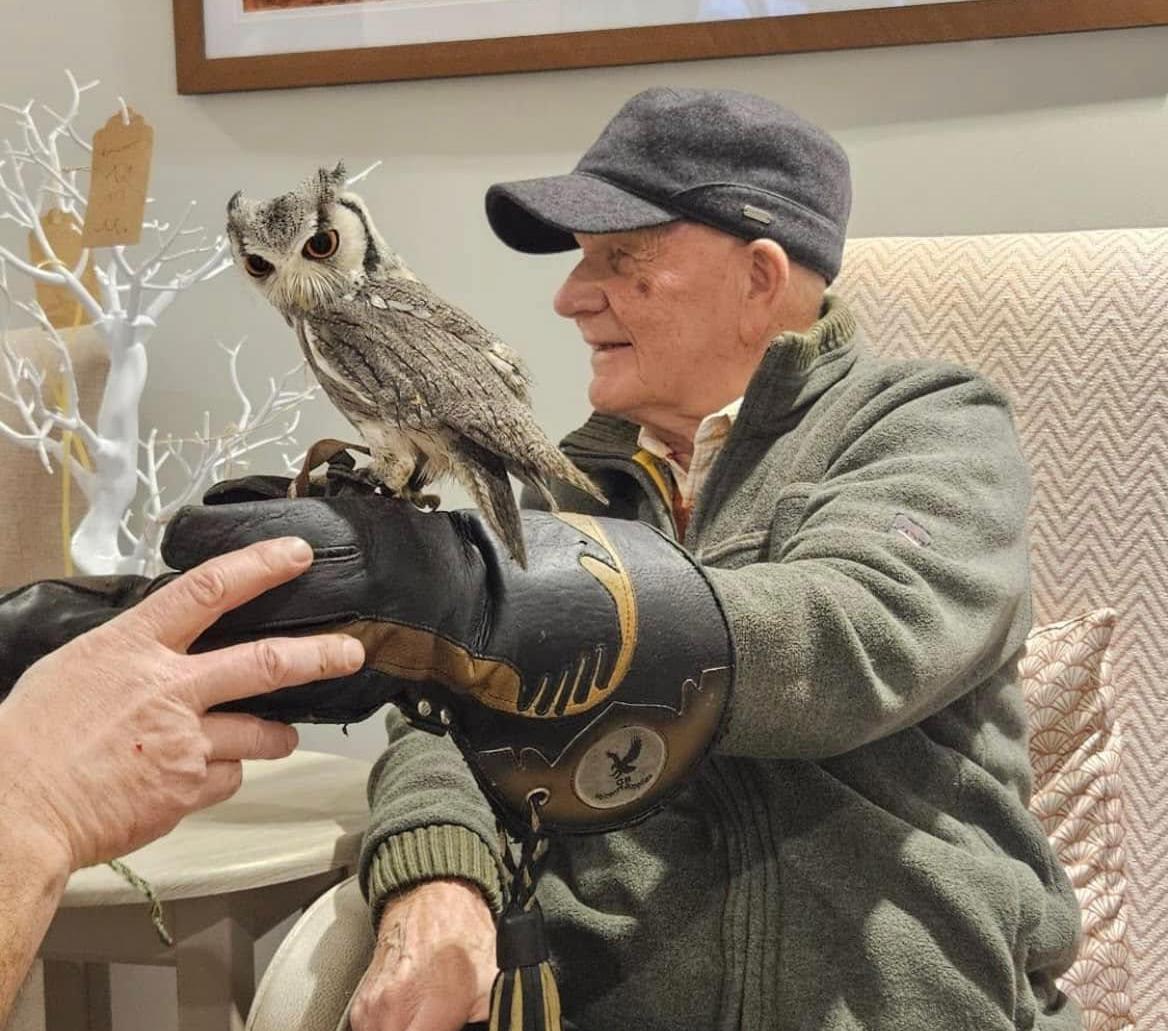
point(768, 276)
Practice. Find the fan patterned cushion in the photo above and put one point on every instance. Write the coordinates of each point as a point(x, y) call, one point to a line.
point(1075, 751)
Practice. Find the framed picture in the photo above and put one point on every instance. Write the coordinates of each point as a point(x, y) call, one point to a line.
point(268, 44)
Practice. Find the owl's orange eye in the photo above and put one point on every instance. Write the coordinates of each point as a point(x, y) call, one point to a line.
point(257, 266)
point(322, 245)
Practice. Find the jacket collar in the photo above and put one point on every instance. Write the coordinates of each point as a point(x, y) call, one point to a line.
point(795, 370)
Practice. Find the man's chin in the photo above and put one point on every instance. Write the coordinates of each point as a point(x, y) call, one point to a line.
point(608, 402)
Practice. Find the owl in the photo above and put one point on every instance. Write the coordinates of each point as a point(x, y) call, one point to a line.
point(431, 392)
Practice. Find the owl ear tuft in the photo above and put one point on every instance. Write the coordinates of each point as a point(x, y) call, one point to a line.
point(237, 210)
point(332, 181)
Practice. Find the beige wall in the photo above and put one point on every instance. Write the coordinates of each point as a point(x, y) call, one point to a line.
point(1034, 134)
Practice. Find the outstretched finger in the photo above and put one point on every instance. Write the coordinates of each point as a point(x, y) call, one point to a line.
point(235, 735)
point(176, 614)
point(258, 667)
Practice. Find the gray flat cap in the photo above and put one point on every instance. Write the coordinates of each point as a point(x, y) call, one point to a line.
point(731, 160)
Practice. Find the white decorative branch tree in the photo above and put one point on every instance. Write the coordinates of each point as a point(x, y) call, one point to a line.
point(134, 288)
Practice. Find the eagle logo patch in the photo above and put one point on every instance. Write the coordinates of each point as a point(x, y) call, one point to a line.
point(620, 767)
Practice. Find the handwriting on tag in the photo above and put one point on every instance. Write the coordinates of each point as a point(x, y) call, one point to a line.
point(63, 232)
point(119, 175)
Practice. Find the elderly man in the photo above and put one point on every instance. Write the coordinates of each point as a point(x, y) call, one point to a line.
point(857, 853)
point(827, 546)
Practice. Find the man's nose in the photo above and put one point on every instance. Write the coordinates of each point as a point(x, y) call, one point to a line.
point(579, 295)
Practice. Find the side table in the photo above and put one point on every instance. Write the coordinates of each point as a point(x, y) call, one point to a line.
point(225, 875)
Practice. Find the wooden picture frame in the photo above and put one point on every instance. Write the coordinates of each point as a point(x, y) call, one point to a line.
point(865, 27)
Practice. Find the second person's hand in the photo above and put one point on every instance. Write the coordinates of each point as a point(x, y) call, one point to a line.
point(132, 704)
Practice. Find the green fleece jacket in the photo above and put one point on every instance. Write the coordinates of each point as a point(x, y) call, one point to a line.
point(857, 854)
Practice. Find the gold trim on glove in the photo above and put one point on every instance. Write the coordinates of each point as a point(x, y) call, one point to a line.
point(418, 654)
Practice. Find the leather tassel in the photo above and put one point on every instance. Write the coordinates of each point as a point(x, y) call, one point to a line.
point(524, 996)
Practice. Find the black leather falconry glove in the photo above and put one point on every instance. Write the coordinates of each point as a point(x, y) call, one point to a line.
point(593, 682)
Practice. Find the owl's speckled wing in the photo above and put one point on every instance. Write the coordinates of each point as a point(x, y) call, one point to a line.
point(403, 367)
point(412, 297)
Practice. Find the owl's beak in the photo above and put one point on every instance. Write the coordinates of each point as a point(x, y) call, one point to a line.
point(296, 293)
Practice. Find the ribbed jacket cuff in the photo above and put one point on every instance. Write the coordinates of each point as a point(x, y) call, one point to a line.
point(427, 853)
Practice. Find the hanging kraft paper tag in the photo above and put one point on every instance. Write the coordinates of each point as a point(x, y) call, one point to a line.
point(63, 232)
point(118, 177)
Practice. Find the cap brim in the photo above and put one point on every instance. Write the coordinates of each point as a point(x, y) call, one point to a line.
point(539, 216)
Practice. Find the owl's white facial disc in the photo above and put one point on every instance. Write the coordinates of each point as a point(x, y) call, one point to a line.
point(354, 241)
point(310, 274)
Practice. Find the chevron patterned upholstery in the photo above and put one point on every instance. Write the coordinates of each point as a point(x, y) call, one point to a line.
point(1075, 327)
